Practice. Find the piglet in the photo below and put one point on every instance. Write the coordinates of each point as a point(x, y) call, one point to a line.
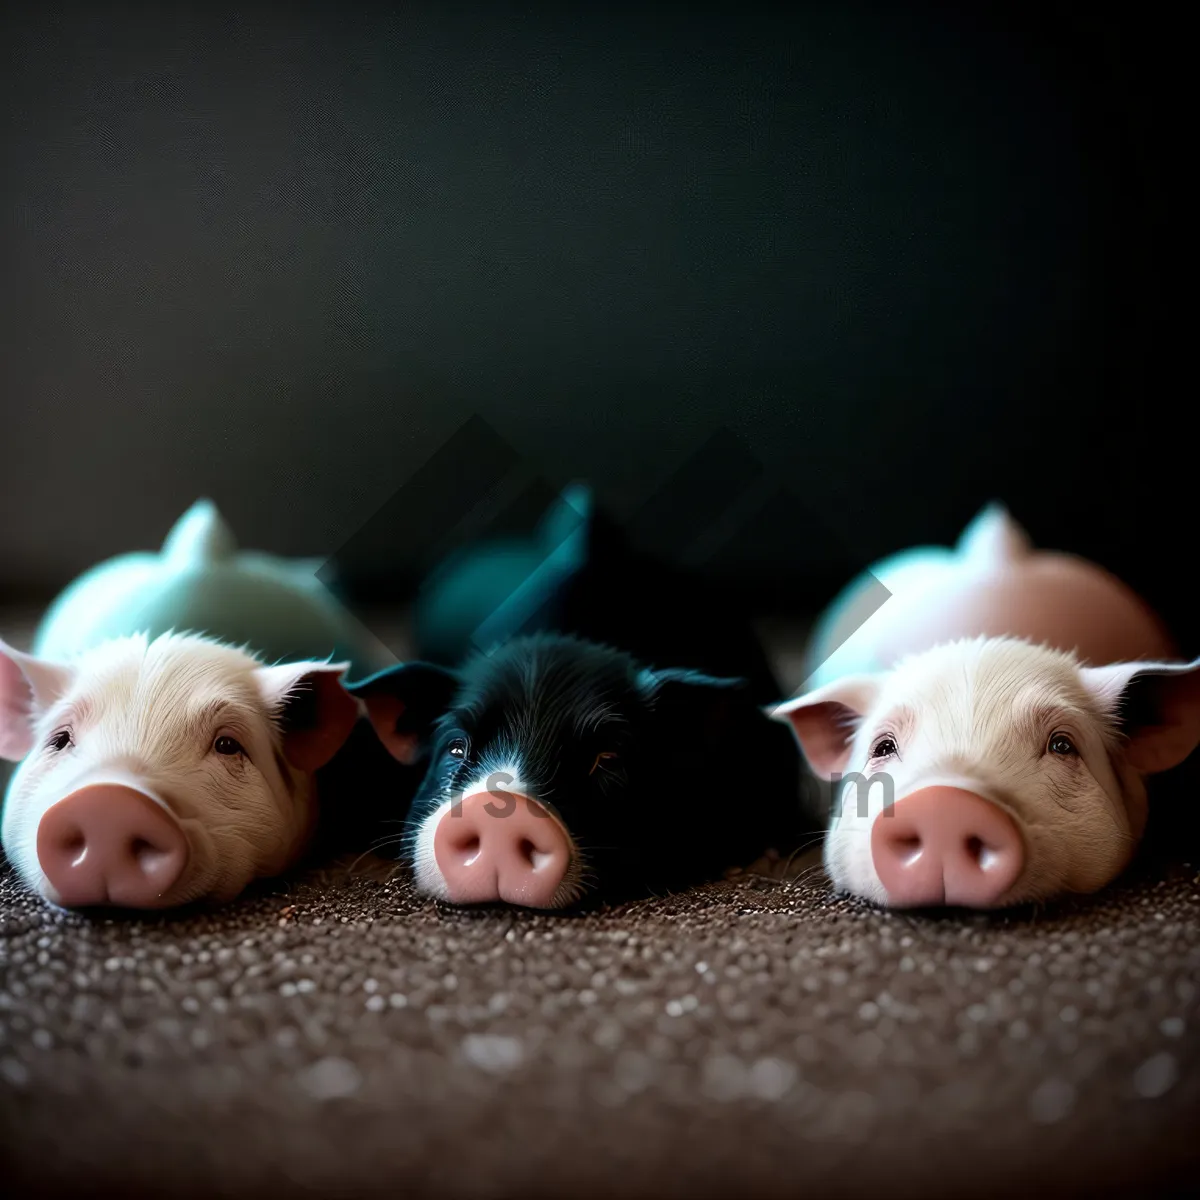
point(580, 574)
point(989, 772)
point(559, 770)
point(154, 772)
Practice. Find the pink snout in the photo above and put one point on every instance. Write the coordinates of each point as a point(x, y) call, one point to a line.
point(944, 845)
point(506, 847)
point(110, 845)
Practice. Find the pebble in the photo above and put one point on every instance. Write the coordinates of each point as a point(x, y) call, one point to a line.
point(1052, 1101)
point(331, 1078)
point(634, 1072)
point(771, 1078)
point(14, 1072)
point(491, 1052)
point(1156, 1076)
point(724, 1077)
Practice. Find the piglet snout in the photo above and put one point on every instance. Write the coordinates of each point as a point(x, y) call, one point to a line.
point(945, 845)
point(501, 848)
point(107, 844)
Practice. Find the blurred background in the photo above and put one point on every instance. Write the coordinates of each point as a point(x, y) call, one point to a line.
point(912, 257)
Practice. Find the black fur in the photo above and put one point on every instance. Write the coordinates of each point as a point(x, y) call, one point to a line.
point(702, 781)
point(603, 589)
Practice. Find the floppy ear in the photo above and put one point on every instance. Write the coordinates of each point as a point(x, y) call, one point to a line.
point(824, 720)
point(1158, 705)
point(700, 703)
point(28, 685)
point(315, 710)
point(403, 702)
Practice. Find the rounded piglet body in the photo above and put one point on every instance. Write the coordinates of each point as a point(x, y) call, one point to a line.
point(158, 771)
point(201, 582)
point(580, 574)
point(993, 583)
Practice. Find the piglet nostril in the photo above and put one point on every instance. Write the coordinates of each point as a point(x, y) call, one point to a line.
point(149, 857)
point(984, 856)
point(537, 859)
point(463, 841)
point(467, 849)
point(906, 847)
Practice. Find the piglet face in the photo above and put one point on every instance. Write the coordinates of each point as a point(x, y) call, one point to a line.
point(157, 772)
point(522, 748)
point(991, 772)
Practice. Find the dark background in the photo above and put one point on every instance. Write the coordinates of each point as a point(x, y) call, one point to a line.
point(916, 256)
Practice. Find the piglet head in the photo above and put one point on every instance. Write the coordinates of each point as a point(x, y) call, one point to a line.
point(157, 772)
point(991, 772)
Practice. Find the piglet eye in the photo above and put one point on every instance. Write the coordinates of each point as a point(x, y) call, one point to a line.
point(227, 745)
point(603, 756)
point(457, 748)
point(884, 747)
point(1061, 744)
point(61, 740)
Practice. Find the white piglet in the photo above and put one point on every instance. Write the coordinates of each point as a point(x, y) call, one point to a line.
point(157, 772)
point(991, 772)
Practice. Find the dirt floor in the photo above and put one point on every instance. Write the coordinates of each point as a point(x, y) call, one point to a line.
point(341, 1036)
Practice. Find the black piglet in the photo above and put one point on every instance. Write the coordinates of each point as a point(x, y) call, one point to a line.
point(557, 771)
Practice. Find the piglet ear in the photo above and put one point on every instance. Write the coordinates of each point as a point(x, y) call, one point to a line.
point(403, 702)
point(28, 685)
point(994, 538)
point(824, 720)
point(1158, 706)
point(316, 713)
point(701, 704)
